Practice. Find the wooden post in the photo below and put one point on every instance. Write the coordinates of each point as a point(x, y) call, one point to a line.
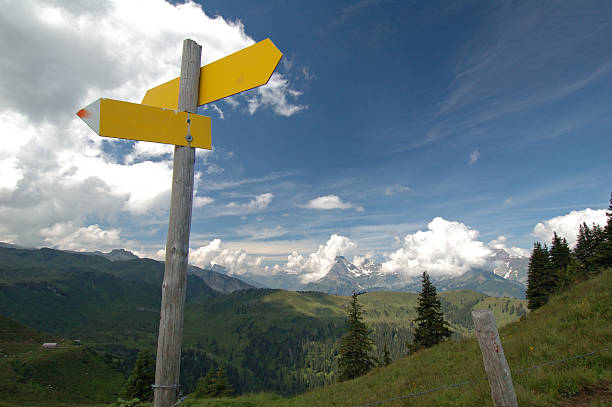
point(496, 366)
point(167, 367)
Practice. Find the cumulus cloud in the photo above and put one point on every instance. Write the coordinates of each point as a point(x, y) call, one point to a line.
point(328, 202)
point(567, 225)
point(67, 236)
point(56, 57)
point(446, 249)
point(237, 261)
point(500, 243)
point(317, 264)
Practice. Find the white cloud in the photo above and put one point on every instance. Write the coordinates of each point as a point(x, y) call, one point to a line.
point(67, 236)
point(316, 265)
point(143, 150)
point(567, 226)
point(54, 169)
point(237, 261)
point(396, 189)
point(474, 156)
point(446, 249)
point(328, 202)
point(259, 203)
point(275, 95)
point(200, 201)
point(500, 243)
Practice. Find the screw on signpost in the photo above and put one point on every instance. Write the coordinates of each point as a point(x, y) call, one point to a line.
point(167, 366)
point(496, 366)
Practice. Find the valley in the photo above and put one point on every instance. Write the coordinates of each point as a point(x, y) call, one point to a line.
point(266, 339)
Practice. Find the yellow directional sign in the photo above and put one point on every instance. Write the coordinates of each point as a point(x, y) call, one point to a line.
point(240, 71)
point(117, 119)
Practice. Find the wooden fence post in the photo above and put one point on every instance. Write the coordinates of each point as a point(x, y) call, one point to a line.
point(168, 363)
point(496, 366)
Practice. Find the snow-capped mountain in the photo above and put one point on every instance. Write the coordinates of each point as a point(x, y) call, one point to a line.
point(509, 266)
point(504, 274)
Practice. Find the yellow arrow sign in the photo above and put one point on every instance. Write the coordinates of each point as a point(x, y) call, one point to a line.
point(240, 71)
point(117, 119)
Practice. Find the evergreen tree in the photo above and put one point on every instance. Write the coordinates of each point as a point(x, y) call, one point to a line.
point(585, 249)
point(138, 385)
point(603, 255)
point(431, 326)
point(222, 387)
point(354, 358)
point(214, 384)
point(560, 259)
point(540, 280)
point(560, 254)
point(386, 356)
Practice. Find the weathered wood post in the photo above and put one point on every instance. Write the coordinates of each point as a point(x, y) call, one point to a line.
point(496, 366)
point(167, 367)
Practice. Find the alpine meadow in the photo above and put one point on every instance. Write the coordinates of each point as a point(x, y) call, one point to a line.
point(349, 203)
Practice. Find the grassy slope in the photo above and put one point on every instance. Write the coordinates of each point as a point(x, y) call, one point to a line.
point(34, 376)
point(575, 322)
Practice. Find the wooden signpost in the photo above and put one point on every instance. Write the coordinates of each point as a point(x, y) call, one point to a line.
point(167, 115)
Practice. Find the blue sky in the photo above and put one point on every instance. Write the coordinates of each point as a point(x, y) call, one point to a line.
point(382, 116)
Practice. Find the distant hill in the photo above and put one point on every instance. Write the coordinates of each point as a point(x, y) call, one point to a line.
point(34, 376)
point(88, 296)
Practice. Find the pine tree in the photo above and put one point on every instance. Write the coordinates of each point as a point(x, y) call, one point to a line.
point(354, 358)
point(560, 254)
point(431, 327)
point(138, 385)
point(603, 255)
point(540, 280)
point(585, 248)
point(386, 356)
point(214, 384)
point(222, 387)
point(560, 259)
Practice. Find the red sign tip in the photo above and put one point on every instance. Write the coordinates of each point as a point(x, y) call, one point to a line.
point(83, 113)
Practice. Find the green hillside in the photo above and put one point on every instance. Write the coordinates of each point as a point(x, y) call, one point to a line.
point(576, 322)
point(35, 376)
point(267, 340)
point(285, 341)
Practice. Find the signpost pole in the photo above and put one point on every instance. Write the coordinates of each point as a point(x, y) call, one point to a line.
point(167, 367)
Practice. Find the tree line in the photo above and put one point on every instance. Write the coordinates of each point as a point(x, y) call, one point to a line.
point(355, 356)
point(554, 269)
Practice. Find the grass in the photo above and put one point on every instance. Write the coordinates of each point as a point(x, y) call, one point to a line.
point(575, 322)
point(34, 376)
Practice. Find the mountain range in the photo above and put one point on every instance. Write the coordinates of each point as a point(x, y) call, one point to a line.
point(503, 275)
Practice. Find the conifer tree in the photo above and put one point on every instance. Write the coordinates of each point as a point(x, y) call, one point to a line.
point(386, 356)
point(138, 384)
point(560, 260)
point(431, 327)
point(603, 255)
point(585, 248)
point(222, 387)
point(560, 254)
point(214, 384)
point(354, 358)
point(540, 280)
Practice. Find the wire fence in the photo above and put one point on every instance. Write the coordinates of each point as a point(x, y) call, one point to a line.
point(475, 381)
